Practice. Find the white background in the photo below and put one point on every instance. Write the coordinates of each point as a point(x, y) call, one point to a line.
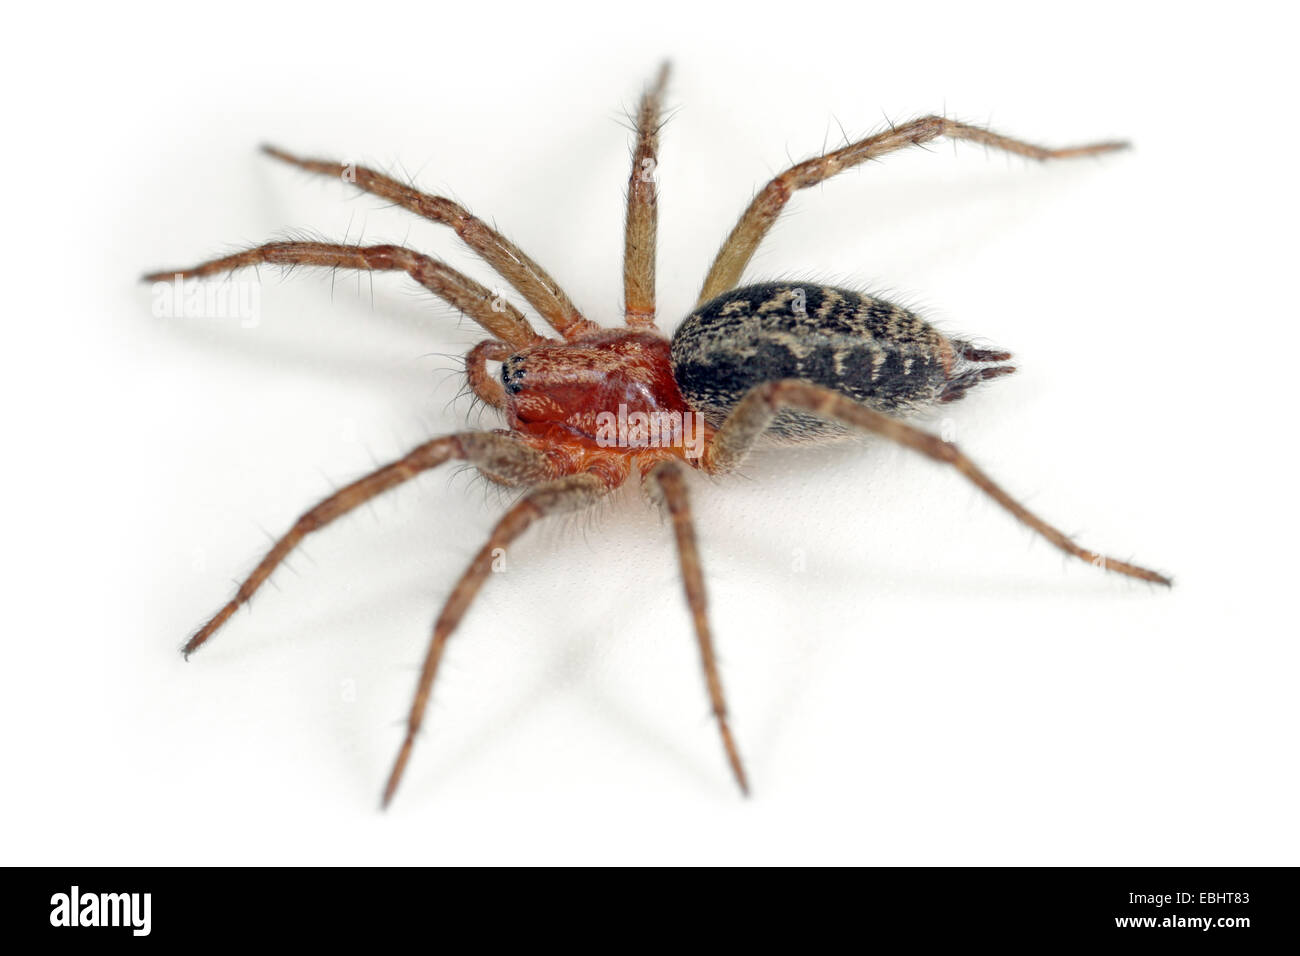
point(936, 686)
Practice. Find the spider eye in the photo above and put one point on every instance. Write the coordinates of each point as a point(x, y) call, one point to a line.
point(512, 374)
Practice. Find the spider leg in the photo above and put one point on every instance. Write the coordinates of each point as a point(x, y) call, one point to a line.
point(667, 483)
point(763, 211)
point(570, 493)
point(643, 210)
point(492, 452)
point(530, 279)
point(752, 415)
point(497, 316)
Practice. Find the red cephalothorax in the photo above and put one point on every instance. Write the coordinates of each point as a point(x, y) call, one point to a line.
point(608, 394)
point(799, 362)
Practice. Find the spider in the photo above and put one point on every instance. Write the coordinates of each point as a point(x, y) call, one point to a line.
point(589, 405)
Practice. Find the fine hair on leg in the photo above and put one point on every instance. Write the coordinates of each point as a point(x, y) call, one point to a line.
point(493, 313)
point(667, 482)
point(755, 412)
point(642, 226)
point(763, 211)
point(571, 493)
point(494, 453)
point(531, 281)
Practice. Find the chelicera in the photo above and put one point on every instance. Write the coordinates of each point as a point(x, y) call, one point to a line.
point(587, 407)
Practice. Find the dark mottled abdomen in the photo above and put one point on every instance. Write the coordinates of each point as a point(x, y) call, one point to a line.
point(866, 348)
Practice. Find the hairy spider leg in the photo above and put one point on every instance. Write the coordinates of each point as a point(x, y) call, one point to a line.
point(571, 493)
point(495, 454)
point(751, 417)
point(532, 281)
point(493, 313)
point(666, 482)
point(763, 211)
point(643, 209)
